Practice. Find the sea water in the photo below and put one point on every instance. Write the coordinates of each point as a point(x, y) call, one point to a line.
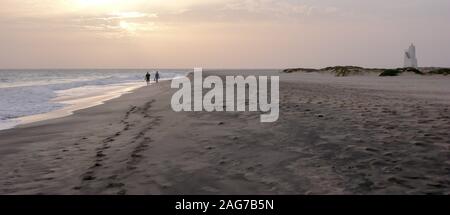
point(25, 93)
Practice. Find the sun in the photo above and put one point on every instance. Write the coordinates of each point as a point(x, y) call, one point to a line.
point(127, 26)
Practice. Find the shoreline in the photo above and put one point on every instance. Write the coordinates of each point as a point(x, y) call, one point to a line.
point(331, 138)
point(34, 95)
point(73, 104)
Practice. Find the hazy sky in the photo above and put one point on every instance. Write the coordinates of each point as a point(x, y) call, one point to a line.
point(221, 33)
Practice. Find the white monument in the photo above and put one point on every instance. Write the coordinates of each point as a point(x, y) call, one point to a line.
point(410, 57)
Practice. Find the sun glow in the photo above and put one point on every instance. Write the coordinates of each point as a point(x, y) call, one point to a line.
point(127, 26)
point(92, 3)
point(125, 17)
point(88, 3)
point(103, 5)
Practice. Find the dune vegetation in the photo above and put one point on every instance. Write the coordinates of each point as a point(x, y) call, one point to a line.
point(342, 71)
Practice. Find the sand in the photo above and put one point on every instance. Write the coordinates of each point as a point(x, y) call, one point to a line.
point(335, 135)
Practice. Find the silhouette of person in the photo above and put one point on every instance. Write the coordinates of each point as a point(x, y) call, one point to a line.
point(147, 78)
point(157, 76)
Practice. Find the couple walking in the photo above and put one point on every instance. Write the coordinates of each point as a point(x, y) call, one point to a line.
point(148, 76)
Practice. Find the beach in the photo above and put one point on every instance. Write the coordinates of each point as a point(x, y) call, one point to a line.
point(335, 135)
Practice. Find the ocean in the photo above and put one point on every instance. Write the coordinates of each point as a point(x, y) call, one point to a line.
point(25, 93)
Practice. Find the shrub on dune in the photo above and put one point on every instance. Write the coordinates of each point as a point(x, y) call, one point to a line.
point(391, 72)
point(441, 71)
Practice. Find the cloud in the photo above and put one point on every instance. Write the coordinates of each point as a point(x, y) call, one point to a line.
point(139, 15)
point(250, 11)
point(118, 23)
point(268, 6)
point(128, 23)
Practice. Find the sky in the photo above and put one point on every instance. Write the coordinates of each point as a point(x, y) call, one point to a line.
point(221, 33)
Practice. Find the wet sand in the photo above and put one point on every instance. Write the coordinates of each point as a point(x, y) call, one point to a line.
point(335, 135)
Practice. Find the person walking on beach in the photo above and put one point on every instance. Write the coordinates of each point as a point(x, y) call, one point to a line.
point(147, 78)
point(157, 76)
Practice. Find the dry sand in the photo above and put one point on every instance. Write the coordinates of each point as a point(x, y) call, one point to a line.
point(346, 135)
